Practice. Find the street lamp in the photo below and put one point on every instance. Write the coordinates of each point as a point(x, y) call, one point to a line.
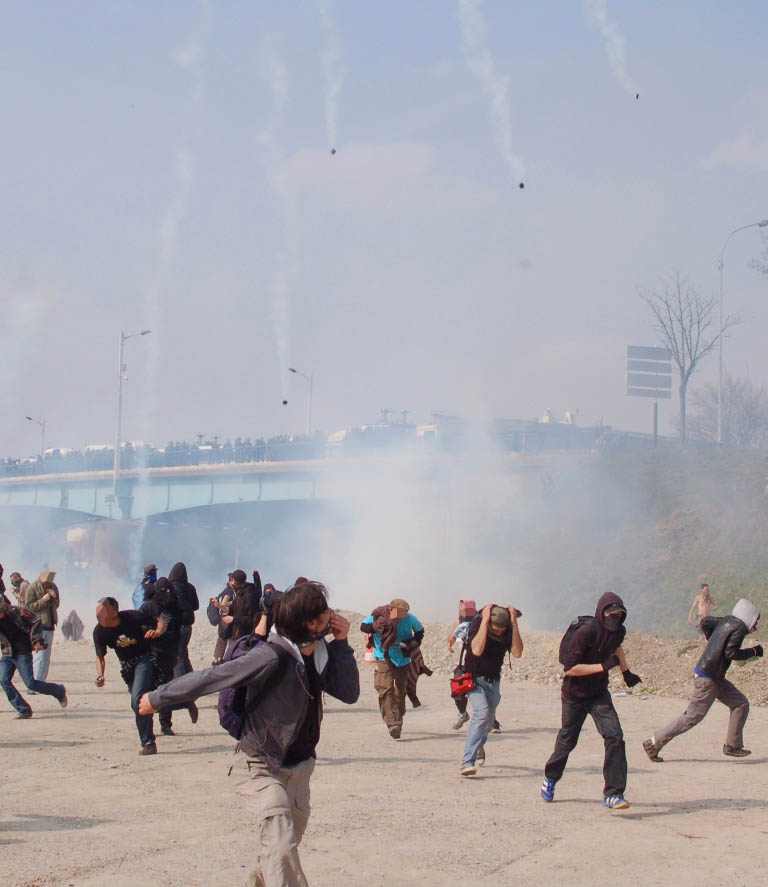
point(309, 400)
point(760, 224)
point(41, 423)
point(121, 367)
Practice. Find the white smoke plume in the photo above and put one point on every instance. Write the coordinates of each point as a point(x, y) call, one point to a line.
point(333, 69)
point(481, 63)
point(285, 274)
point(596, 12)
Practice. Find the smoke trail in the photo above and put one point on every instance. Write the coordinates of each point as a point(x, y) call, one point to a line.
point(167, 235)
point(596, 12)
point(481, 63)
point(283, 278)
point(333, 69)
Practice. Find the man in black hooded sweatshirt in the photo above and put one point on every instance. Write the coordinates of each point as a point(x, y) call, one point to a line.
point(594, 649)
point(186, 598)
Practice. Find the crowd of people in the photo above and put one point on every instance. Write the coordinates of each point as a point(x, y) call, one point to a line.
point(277, 653)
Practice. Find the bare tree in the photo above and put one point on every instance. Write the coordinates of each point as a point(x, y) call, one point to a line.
point(761, 264)
point(745, 414)
point(684, 323)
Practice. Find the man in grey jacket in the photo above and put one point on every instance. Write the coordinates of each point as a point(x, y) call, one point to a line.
point(285, 679)
point(42, 598)
point(724, 639)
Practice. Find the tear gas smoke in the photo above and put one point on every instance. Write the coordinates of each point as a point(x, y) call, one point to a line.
point(481, 63)
point(283, 278)
point(333, 69)
point(596, 12)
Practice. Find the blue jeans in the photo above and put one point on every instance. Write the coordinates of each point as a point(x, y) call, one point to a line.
point(23, 662)
point(42, 658)
point(485, 700)
point(139, 675)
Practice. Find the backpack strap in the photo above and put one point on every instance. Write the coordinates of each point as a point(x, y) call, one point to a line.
point(282, 663)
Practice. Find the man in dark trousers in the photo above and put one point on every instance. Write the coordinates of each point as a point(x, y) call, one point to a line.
point(129, 633)
point(186, 597)
point(594, 648)
point(274, 759)
point(21, 634)
point(164, 650)
point(724, 638)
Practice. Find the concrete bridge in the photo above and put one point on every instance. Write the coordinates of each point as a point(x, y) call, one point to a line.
point(142, 493)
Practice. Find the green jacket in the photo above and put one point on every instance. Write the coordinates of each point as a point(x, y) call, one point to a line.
point(47, 611)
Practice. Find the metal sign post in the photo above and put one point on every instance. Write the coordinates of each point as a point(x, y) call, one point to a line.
point(649, 374)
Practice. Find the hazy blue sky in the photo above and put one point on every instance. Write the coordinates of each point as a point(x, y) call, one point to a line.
point(167, 165)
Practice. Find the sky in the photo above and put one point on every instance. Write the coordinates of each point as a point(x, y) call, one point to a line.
point(167, 166)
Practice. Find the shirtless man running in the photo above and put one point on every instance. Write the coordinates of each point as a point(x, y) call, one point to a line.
point(705, 603)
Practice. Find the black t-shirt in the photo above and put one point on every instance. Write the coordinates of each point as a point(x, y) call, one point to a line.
point(488, 665)
point(17, 637)
point(127, 637)
point(304, 744)
point(167, 645)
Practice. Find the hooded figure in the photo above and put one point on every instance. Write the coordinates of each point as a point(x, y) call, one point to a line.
point(589, 650)
point(186, 599)
point(724, 638)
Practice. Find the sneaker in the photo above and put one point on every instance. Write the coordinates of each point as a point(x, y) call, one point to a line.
point(736, 751)
point(548, 790)
point(496, 727)
point(653, 753)
point(194, 714)
point(481, 757)
point(460, 721)
point(64, 702)
point(149, 749)
point(167, 731)
point(394, 732)
point(23, 715)
point(468, 770)
point(616, 802)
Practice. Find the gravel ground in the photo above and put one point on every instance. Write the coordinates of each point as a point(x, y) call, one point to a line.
point(80, 807)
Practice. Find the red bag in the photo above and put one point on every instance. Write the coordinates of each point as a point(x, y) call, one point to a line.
point(461, 684)
point(462, 681)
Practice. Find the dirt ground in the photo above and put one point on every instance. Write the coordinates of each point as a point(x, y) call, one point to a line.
point(81, 808)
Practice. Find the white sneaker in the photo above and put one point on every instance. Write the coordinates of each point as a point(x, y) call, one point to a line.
point(481, 757)
point(468, 770)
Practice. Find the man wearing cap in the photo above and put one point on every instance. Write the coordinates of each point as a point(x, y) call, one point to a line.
point(724, 638)
point(42, 599)
point(143, 590)
point(490, 636)
point(395, 630)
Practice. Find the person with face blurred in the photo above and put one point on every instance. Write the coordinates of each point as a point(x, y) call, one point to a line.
point(285, 678)
point(724, 638)
point(491, 635)
point(595, 648)
point(395, 631)
point(42, 598)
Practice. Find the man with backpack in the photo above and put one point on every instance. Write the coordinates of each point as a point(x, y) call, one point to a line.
point(280, 712)
point(590, 648)
point(724, 638)
point(490, 637)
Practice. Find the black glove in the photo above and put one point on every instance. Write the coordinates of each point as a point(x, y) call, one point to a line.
point(758, 650)
point(631, 679)
point(611, 662)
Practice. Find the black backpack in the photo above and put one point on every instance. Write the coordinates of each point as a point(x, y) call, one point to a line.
point(565, 643)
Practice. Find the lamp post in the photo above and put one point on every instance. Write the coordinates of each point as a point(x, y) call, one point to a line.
point(121, 367)
point(309, 399)
point(760, 224)
point(41, 423)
